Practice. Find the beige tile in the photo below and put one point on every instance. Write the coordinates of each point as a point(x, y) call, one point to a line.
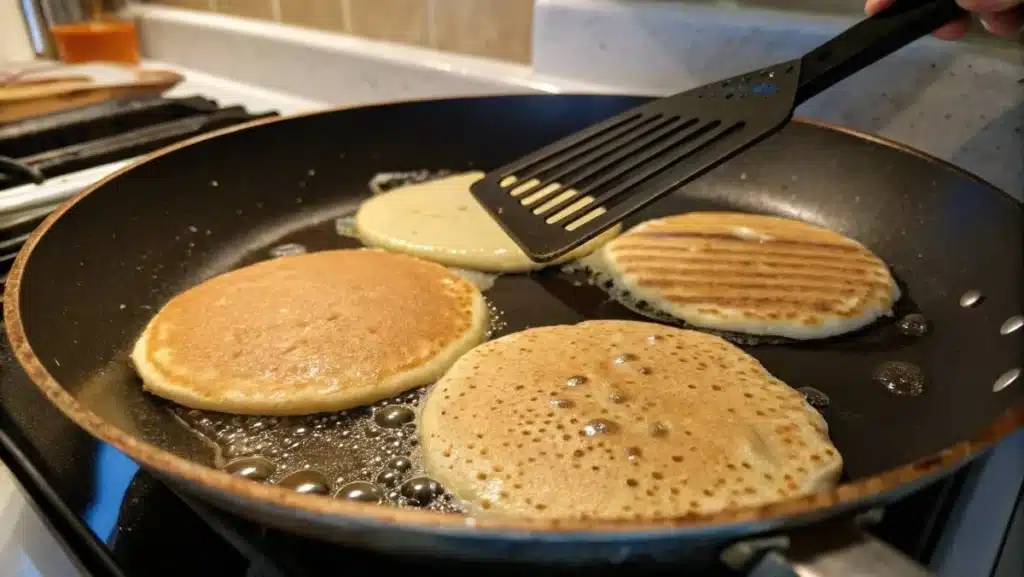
point(402, 21)
point(192, 4)
point(262, 9)
point(323, 14)
point(492, 28)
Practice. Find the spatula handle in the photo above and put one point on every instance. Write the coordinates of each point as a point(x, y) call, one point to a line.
point(871, 40)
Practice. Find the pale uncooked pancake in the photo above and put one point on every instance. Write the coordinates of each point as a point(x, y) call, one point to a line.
point(441, 221)
point(620, 420)
point(316, 332)
point(752, 274)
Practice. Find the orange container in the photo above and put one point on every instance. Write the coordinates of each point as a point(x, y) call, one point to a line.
point(102, 39)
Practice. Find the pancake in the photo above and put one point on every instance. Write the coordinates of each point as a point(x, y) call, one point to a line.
point(440, 220)
point(620, 420)
point(316, 332)
point(752, 274)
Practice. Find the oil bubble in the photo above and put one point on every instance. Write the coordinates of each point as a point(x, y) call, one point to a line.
point(913, 325)
point(255, 468)
point(421, 490)
point(393, 416)
point(389, 478)
point(361, 491)
point(306, 482)
point(901, 378)
point(401, 464)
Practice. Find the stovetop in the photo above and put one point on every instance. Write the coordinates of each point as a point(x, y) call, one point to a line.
point(47, 159)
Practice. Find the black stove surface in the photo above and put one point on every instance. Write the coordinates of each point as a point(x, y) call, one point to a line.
point(120, 522)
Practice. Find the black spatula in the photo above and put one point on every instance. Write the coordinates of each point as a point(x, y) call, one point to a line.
point(631, 160)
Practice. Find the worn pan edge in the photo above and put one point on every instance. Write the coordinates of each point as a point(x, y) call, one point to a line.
point(798, 510)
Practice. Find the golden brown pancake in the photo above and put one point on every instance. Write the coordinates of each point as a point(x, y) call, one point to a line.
point(316, 332)
point(752, 274)
point(620, 420)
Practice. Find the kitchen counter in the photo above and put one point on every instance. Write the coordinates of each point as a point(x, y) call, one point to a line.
point(959, 101)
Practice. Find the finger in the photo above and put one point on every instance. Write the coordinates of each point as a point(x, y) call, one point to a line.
point(1006, 23)
point(874, 6)
point(986, 6)
point(954, 30)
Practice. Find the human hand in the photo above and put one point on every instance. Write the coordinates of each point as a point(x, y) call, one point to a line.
point(1002, 17)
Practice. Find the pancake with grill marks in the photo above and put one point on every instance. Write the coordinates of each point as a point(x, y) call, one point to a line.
point(317, 332)
point(620, 420)
point(440, 220)
point(752, 274)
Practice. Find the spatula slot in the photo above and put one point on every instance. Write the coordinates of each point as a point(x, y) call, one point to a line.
point(603, 157)
point(578, 144)
point(591, 167)
point(698, 140)
point(648, 161)
point(542, 169)
point(541, 194)
point(596, 179)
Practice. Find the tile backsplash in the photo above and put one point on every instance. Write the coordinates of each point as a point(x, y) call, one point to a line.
point(500, 29)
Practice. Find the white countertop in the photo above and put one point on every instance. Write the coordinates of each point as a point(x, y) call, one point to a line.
point(28, 547)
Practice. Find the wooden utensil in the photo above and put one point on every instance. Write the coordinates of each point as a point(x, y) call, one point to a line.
point(28, 96)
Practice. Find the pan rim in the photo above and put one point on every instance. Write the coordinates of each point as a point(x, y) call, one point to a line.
point(801, 509)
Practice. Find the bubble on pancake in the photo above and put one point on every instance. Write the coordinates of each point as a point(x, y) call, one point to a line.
point(710, 430)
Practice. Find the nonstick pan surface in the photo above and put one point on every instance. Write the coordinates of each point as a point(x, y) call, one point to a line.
point(94, 273)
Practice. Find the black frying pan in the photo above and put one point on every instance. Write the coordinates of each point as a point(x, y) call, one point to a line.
point(91, 276)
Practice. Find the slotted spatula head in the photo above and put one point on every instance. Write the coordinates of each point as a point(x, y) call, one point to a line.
point(561, 196)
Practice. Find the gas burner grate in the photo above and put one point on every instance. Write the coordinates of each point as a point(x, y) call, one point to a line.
point(40, 148)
